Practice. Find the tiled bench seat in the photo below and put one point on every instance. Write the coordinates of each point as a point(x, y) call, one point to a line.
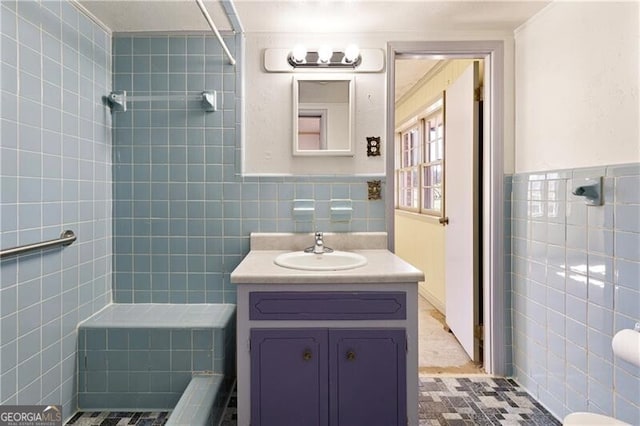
point(143, 356)
point(201, 403)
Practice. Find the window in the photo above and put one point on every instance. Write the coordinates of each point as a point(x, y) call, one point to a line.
point(432, 165)
point(420, 162)
point(408, 174)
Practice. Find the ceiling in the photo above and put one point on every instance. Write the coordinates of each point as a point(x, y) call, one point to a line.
point(322, 16)
point(156, 15)
point(383, 15)
point(409, 71)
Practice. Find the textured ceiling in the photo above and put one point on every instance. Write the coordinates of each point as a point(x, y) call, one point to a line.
point(322, 16)
point(338, 16)
point(156, 15)
point(318, 16)
point(408, 72)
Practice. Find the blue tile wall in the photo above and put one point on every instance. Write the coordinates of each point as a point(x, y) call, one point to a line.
point(55, 174)
point(148, 368)
point(182, 212)
point(575, 283)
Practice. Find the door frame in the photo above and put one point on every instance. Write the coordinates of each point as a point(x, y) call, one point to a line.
point(493, 276)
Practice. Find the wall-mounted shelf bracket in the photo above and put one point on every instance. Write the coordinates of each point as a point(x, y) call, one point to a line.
point(209, 103)
point(117, 100)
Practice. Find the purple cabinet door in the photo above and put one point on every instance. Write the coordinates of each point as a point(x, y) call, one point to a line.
point(367, 377)
point(289, 377)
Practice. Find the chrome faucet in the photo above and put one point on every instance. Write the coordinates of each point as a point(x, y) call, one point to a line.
point(318, 247)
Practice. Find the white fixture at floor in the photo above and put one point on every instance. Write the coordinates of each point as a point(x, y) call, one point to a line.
point(626, 345)
point(586, 419)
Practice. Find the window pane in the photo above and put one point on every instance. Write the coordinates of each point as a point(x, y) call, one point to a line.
point(410, 148)
point(426, 176)
point(415, 151)
point(414, 157)
point(436, 174)
point(410, 198)
point(407, 197)
point(433, 153)
point(432, 132)
point(403, 179)
point(437, 198)
point(426, 198)
point(431, 198)
point(427, 195)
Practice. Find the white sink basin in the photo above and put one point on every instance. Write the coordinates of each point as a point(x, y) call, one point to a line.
point(334, 261)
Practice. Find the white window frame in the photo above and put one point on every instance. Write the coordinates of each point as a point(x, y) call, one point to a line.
point(436, 114)
point(419, 123)
point(409, 164)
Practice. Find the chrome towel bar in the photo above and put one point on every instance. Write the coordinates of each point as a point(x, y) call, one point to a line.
point(66, 238)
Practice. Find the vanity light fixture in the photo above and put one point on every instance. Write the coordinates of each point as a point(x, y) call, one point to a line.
point(299, 54)
point(351, 54)
point(325, 53)
point(324, 57)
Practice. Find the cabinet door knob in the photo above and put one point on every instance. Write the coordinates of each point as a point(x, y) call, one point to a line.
point(351, 355)
point(306, 355)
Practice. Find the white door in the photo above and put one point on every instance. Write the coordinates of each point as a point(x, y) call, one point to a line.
point(461, 209)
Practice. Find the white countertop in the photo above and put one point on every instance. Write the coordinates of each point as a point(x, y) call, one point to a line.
point(382, 267)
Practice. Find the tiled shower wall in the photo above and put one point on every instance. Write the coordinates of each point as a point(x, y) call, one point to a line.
point(182, 212)
point(575, 283)
point(55, 174)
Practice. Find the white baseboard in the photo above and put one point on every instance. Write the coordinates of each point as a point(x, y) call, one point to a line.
point(437, 303)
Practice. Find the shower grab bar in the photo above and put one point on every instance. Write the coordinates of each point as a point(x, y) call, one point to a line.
point(205, 12)
point(117, 100)
point(66, 238)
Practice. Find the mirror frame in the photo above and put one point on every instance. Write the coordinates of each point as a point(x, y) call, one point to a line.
point(324, 152)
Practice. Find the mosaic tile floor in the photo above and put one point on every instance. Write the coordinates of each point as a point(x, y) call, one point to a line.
point(230, 416)
point(478, 401)
point(444, 401)
point(118, 418)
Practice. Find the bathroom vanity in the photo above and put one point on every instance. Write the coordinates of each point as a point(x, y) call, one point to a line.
point(326, 347)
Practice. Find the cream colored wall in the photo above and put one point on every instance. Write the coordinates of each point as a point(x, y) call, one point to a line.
point(420, 97)
point(418, 239)
point(577, 83)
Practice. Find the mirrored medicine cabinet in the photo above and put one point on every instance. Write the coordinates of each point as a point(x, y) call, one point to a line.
point(323, 110)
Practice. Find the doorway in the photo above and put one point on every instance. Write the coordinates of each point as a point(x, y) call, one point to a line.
point(490, 297)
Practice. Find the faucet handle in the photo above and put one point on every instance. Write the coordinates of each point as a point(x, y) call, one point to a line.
point(318, 234)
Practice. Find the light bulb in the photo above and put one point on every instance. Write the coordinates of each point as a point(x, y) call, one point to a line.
point(324, 54)
point(299, 53)
point(351, 53)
